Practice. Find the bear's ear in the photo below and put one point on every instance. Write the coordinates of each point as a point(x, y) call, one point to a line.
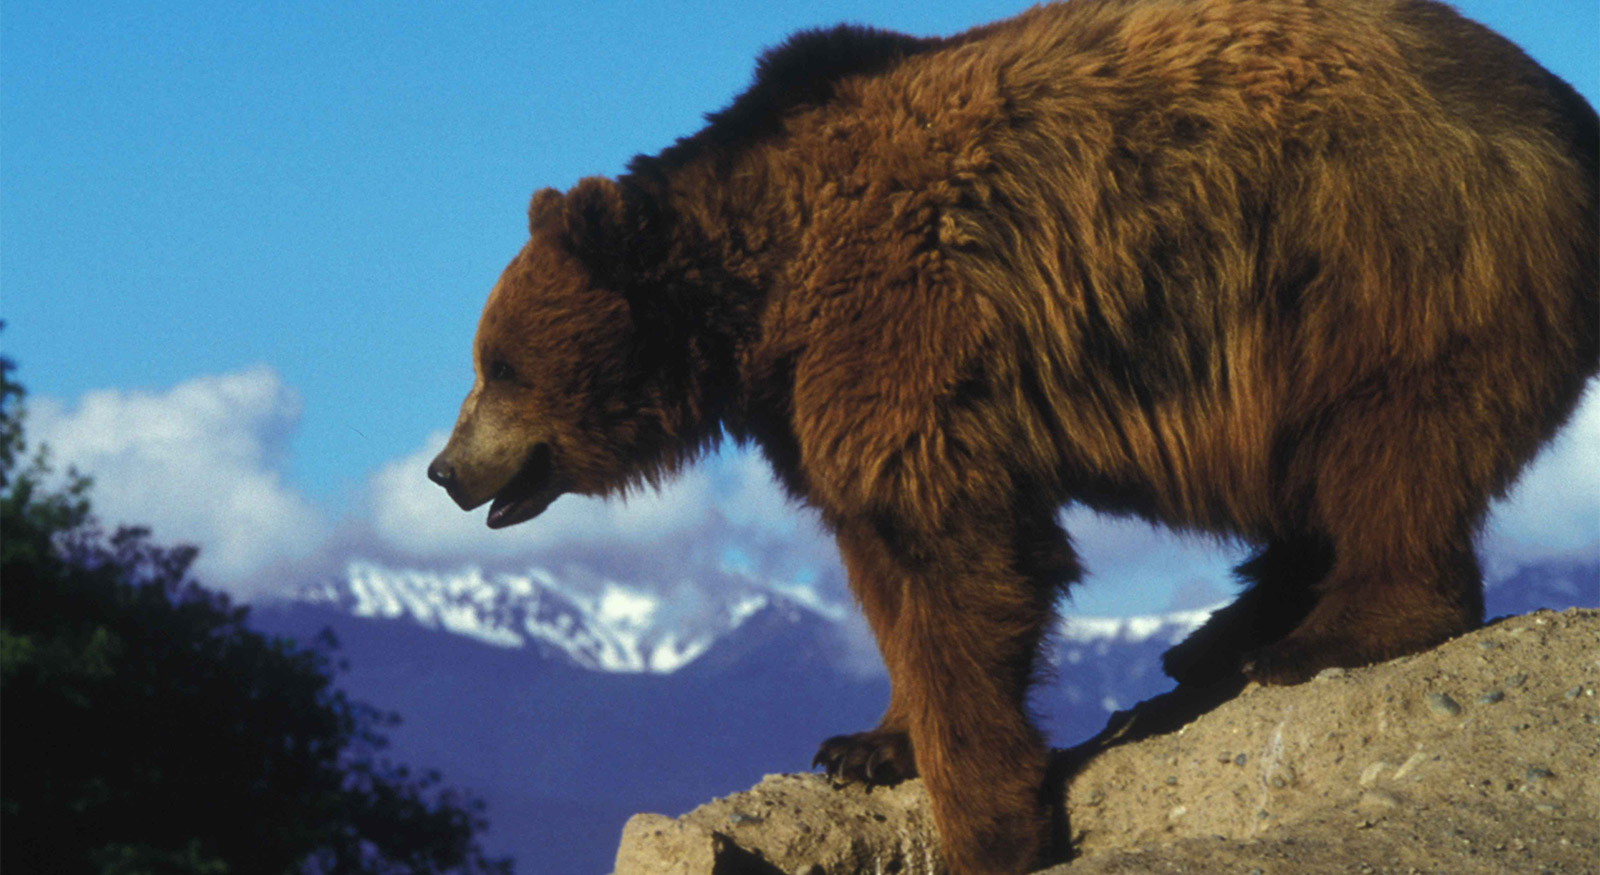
point(608, 226)
point(598, 220)
point(544, 209)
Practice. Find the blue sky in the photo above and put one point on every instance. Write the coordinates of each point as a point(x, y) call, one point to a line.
point(243, 248)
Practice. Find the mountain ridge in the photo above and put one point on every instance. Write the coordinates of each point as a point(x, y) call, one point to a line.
point(565, 737)
point(618, 628)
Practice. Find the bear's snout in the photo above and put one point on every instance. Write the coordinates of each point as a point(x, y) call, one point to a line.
point(520, 492)
point(442, 472)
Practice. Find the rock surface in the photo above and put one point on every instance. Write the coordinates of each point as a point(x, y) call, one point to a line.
point(1480, 756)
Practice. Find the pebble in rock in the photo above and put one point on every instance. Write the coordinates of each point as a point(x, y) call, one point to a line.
point(1378, 800)
point(1443, 705)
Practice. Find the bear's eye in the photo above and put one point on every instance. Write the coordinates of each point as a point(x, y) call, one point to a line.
point(499, 370)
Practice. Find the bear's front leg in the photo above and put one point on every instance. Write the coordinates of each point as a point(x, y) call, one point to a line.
point(958, 621)
point(882, 755)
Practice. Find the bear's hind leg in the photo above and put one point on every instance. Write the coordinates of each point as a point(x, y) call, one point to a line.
point(1369, 613)
point(1280, 594)
point(1398, 481)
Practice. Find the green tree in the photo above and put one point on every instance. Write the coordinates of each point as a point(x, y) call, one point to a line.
point(144, 728)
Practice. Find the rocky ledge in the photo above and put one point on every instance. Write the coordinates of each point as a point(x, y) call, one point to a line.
point(1480, 756)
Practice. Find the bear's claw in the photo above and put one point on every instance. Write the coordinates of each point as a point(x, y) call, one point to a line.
point(880, 756)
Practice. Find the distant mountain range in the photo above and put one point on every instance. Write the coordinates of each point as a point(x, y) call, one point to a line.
point(567, 710)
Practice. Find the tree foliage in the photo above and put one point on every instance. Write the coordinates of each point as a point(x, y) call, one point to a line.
point(147, 729)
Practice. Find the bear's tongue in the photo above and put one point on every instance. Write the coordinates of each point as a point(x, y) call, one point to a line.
point(528, 493)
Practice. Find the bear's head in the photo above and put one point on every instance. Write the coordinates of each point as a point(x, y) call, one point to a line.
point(574, 389)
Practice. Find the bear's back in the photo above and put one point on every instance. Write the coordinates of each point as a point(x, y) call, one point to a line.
point(1188, 227)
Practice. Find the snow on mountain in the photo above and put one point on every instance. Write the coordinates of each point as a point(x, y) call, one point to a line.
point(614, 629)
point(1098, 665)
point(1094, 665)
point(1169, 628)
point(628, 630)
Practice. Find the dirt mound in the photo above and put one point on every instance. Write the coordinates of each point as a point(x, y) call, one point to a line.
point(1481, 756)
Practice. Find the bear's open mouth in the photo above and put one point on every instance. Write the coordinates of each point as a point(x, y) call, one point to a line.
point(528, 493)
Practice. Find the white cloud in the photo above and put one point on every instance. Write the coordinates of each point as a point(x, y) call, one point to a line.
point(1134, 567)
point(723, 519)
point(199, 464)
point(1554, 510)
point(415, 517)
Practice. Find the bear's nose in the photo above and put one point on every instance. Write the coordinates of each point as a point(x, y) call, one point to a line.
point(442, 473)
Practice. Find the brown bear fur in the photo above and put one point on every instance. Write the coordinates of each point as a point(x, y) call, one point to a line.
point(1317, 275)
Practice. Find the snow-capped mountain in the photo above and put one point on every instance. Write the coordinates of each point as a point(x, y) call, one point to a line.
point(612, 627)
point(616, 629)
point(569, 708)
point(1099, 665)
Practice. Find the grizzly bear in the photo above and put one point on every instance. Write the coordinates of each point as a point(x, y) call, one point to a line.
point(1320, 276)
